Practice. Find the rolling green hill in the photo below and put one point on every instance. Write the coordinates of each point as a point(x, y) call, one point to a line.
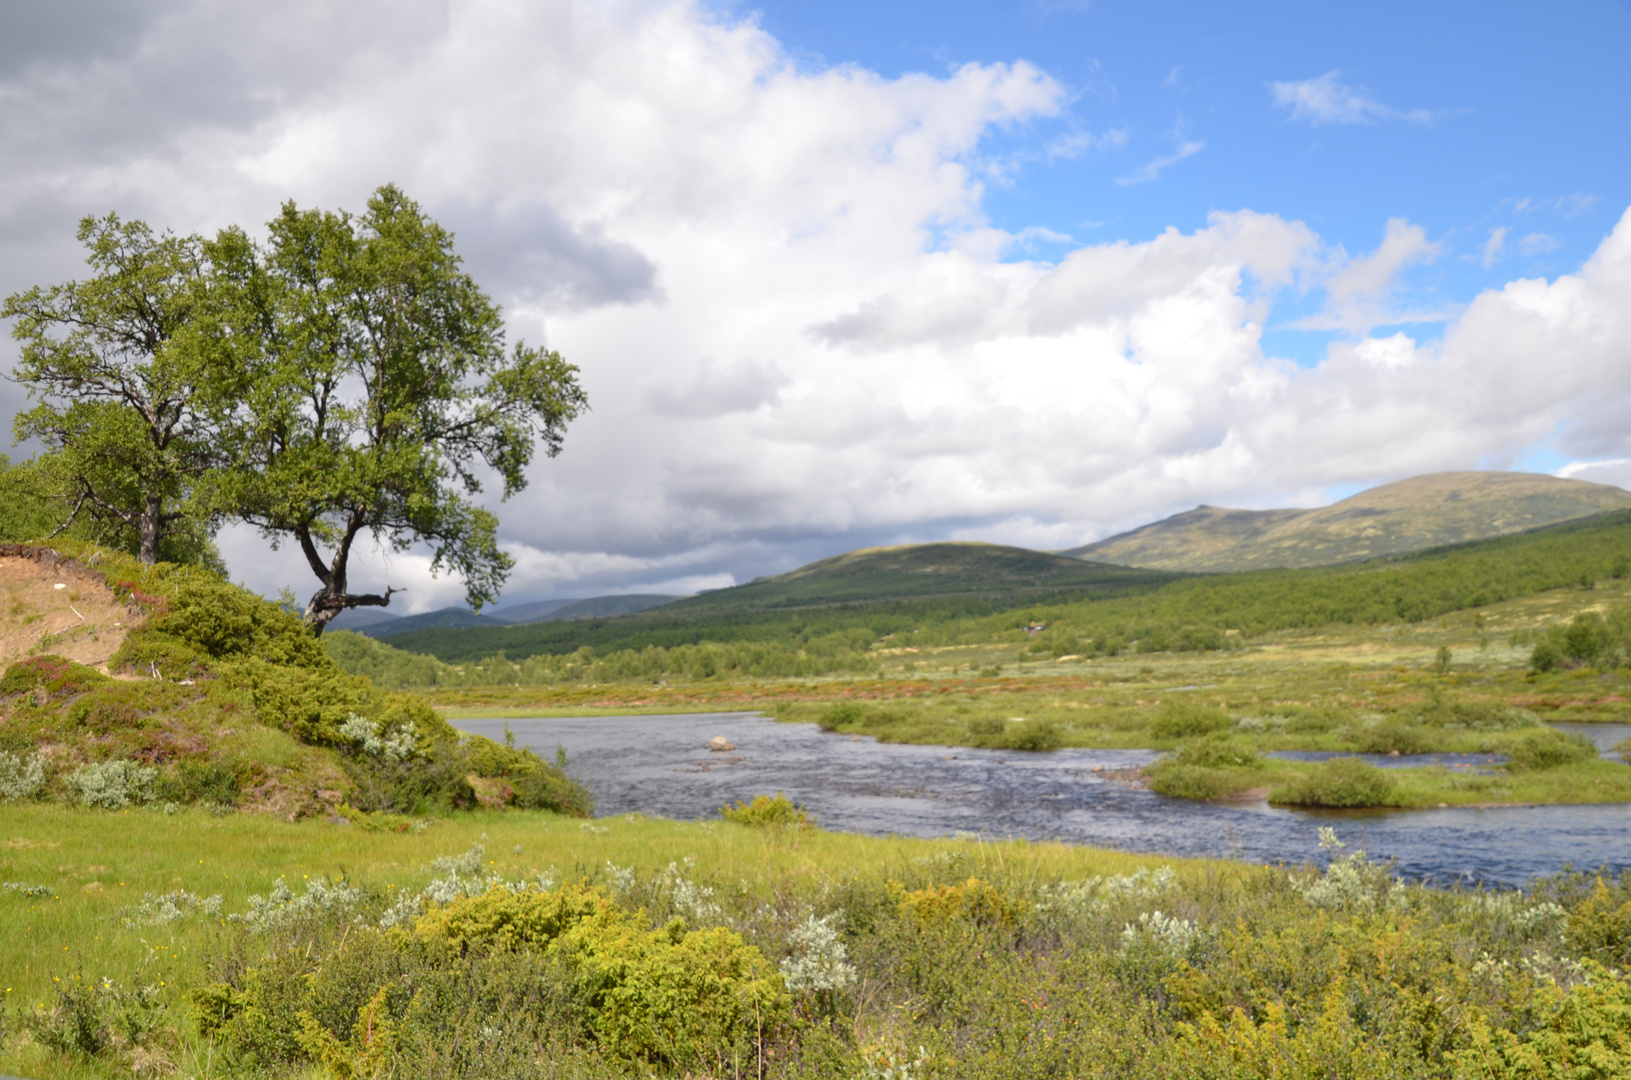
point(1410, 515)
point(874, 590)
point(914, 570)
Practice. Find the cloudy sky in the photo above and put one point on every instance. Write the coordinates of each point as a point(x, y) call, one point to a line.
point(840, 273)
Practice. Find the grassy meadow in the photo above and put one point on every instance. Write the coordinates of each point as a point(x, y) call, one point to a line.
point(1458, 682)
point(540, 945)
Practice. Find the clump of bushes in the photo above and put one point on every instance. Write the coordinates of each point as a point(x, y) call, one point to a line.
point(112, 785)
point(1210, 768)
point(506, 969)
point(1340, 783)
point(210, 649)
point(839, 714)
point(1589, 639)
point(1186, 720)
point(766, 810)
point(22, 776)
point(1015, 733)
point(1548, 748)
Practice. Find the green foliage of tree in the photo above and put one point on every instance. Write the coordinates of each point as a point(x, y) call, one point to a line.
point(123, 394)
point(377, 384)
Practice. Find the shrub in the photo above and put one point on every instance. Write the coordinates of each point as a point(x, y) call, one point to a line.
point(670, 997)
point(1182, 720)
point(816, 960)
point(90, 1016)
point(977, 901)
point(21, 777)
point(1547, 749)
point(548, 787)
point(147, 652)
point(112, 784)
point(1545, 656)
point(1190, 781)
point(1389, 737)
point(1208, 768)
point(1339, 783)
point(59, 678)
point(840, 713)
point(1582, 1032)
point(766, 810)
point(217, 782)
point(1035, 735)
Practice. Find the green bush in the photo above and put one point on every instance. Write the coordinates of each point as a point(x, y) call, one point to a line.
point(22, 776)
point(1209, 768)
point(217, 782)
point(570, 960)
point(1033, 735)
point(1547, 749)
point(1392, 736)
point(57, 677)
point(766, 810)
point(1340, 783)
point(1184, 720)
point(93, 1016)
point(146, 652)
point(840, 713)
point(1178, 781)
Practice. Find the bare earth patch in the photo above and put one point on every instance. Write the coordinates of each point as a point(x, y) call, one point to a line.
point(51, 604)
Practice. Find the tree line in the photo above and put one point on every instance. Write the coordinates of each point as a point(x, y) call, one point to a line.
point(342, 378)
point(1195, 615)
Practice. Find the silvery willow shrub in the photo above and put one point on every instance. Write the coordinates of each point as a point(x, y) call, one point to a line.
point(695, 903)
point(1098, 893)
point(461, 876)
point(373, 739)
point(112, 785)
point(1162, 933)
point(281, 906)
point(33, 892)
point(1351, 881)
point(21, 777)
point(172, 906)
point(816, 959)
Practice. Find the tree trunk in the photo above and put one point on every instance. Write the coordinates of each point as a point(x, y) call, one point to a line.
point(325, 604)
point(149, 529)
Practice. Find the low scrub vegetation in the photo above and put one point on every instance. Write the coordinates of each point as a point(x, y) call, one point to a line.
point(223, 699)
point(618, 954)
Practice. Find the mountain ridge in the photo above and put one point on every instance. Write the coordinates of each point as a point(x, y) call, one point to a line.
point(1391, 519)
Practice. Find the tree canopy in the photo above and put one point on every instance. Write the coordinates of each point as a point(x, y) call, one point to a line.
point(378, 389)
point(124, 398)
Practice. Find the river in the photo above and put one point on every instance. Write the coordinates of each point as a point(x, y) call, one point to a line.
point(660, 766)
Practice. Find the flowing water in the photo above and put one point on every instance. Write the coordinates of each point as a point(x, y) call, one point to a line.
point(660, 766)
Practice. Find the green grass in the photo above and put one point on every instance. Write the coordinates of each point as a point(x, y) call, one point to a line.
point(100, 864)
point(1000, 960)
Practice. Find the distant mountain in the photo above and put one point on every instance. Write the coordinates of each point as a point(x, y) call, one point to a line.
point(598, 606)
point(376, 623)
point(357, 618)
point(1409, 515)
point(447, 618)
point(913, 571)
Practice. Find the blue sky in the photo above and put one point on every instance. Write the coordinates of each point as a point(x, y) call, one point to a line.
point(842, 274)
point(1525, 113)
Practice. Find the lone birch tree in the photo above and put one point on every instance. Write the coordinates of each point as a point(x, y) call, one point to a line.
point(122, 396)
point(377, 384)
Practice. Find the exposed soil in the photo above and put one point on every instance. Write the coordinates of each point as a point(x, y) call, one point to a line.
point(52, 604)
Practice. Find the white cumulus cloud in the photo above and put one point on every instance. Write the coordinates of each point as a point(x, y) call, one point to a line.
point(798, 329)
